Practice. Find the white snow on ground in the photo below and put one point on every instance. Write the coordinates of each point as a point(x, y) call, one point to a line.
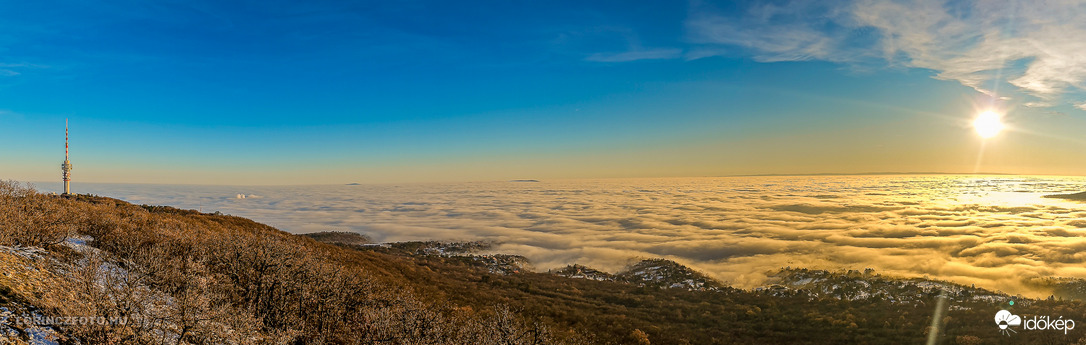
point(11, 330)
point(32, 253)
point(38, 334)
point(42, 336)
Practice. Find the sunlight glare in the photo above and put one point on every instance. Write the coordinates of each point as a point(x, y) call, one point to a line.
point(988, 124)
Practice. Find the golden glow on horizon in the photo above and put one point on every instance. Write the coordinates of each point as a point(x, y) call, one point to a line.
point(988, 124)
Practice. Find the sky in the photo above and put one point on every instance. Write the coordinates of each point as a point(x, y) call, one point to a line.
point(332, 92)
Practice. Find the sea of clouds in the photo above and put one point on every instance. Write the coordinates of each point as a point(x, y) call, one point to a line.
point(993, 231)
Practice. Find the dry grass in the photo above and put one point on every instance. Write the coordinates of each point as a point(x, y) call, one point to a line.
point(183, 277)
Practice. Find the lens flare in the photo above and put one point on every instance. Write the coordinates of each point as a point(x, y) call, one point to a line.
point(988, 124)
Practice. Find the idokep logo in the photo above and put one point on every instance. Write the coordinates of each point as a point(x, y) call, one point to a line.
point(1005, 320)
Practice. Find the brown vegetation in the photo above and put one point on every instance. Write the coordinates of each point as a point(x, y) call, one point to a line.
point(183, 277)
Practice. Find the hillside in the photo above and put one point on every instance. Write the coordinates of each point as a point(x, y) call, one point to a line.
point(156, 275)
point(86, 269)
point(668, 303)
point(1080, 196)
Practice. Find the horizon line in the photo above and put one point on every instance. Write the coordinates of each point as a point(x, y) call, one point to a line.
point(875, 173)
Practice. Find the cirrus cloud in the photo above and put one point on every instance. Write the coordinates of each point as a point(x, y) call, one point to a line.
point(634, 55)
point(1033, 47)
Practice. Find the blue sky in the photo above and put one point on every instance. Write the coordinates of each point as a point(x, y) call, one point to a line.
point(281, 92)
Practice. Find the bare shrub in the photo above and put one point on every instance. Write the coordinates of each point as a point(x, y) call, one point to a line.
point(184, 277)
point(31, 219)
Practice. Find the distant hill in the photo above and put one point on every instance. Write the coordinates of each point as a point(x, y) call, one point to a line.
point(1081, 196)
point(670, 303)
point(339, 237)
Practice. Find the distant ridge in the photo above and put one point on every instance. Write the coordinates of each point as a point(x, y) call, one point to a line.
point(1080, 196)
point(523, 180)
point(339, 237)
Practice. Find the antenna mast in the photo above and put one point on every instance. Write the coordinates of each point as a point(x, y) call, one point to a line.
point(66, 167)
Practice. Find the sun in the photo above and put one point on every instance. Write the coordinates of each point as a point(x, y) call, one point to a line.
point(988, 124)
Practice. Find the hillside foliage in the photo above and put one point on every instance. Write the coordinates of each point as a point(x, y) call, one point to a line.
point(184, 277)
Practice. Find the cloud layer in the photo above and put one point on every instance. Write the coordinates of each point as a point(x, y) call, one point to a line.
point(1034, 47)
point(995, 232)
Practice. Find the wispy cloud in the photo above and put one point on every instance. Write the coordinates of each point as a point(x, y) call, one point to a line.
point(790, 32)
point(650, 54)
point(11, 69)
point(981, 44)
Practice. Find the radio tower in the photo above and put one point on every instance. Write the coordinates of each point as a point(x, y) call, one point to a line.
point(66, 167)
